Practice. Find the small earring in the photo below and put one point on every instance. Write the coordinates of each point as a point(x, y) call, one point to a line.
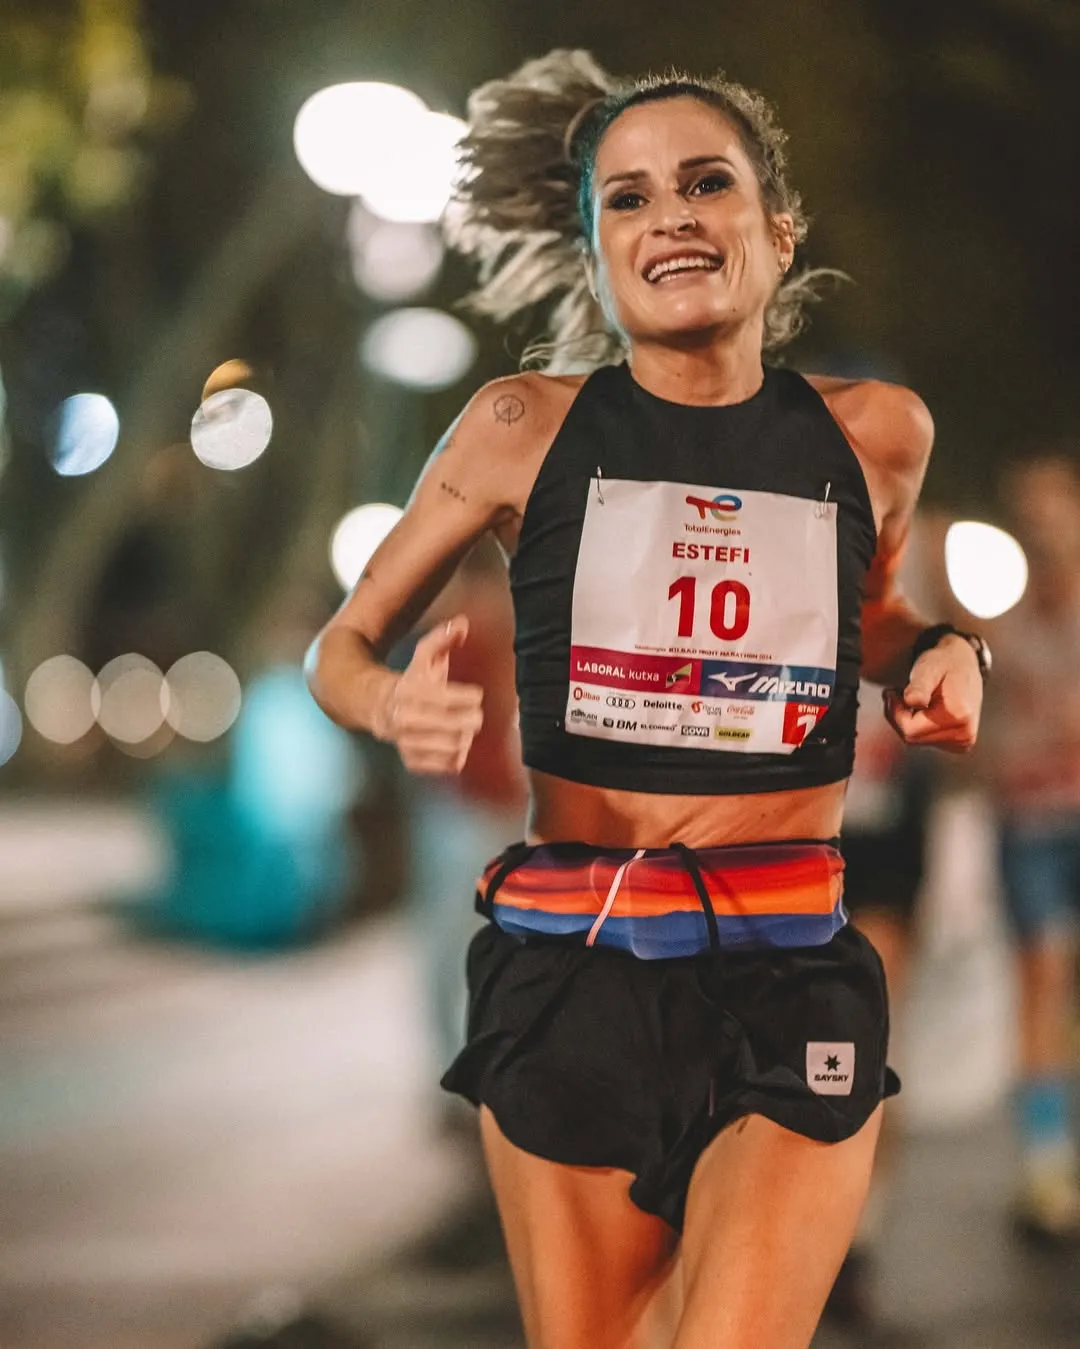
point(785, 263)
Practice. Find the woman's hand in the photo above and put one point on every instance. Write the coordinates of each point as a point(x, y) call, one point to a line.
point(943, 698)
point(432, 721)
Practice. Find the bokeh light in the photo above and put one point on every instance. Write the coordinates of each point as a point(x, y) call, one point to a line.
point(149, 748)
point(231, 429)
point(356, 538)
point(87, 429)
point(130, 699)
point(201, 696)
point(10, 726)
point(342, 134)
point(420, 348)
point(229, 374)
point(59, 699)
point(391, 261)
point(416, 180)
point(986, 567)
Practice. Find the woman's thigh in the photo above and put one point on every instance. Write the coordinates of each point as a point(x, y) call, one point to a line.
point(769, 1217)
point(590, 1268)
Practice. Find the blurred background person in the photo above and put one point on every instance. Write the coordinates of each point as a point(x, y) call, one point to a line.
point(1032, 756)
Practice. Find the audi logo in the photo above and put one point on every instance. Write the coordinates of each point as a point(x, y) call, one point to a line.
point(627, 703)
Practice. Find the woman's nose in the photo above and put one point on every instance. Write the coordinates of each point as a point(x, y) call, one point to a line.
point(675, 217)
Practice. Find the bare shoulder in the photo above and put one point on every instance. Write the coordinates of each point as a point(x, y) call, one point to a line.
point(886, 424)
point(491, 455)
point(521, 411)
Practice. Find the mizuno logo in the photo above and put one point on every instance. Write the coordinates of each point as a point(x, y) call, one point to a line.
point(732, 682)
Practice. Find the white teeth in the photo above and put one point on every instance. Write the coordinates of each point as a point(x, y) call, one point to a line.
point(690, 263)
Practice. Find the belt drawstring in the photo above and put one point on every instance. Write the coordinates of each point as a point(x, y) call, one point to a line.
point(690, 862)
point(612, 892)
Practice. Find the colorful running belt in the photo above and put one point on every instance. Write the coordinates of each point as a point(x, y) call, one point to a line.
point(664, 902)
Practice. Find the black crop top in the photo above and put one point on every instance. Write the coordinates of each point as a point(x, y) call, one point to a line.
point(687, 592)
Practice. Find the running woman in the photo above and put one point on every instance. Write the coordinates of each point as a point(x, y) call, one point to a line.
point(676, 1041)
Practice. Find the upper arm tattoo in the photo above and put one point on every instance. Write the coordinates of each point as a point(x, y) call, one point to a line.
point(508, 409)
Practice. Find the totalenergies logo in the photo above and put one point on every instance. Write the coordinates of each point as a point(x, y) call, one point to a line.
point(723, 506)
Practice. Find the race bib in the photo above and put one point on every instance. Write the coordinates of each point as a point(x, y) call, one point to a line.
point(702, 618)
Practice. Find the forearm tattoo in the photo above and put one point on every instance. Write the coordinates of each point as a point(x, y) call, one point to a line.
point(451, 491)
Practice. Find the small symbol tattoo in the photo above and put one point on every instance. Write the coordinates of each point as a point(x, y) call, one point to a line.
point(509, 409)
point(451, 491)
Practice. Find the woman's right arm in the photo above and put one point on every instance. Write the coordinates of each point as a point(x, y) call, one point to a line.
point(469, 486)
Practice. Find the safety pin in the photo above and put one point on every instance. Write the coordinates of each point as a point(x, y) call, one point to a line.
point(823, 504)
point(599, 485)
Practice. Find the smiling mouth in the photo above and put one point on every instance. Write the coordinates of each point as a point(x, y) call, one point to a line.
point(668, 268)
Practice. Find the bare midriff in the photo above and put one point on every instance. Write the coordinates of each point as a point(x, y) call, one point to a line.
point(563, 812)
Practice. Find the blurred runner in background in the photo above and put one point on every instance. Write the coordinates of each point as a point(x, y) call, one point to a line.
point(1032, 756)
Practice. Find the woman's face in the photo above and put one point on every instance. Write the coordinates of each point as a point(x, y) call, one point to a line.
point(682, 245)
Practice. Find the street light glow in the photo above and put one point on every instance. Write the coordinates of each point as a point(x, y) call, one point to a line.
point(986, 567)
point(201, 696)
point(423, 349)
point(382, 143)
point(87, 430)
point(416, 181)
point(231, 428)
point(344, 132)
point(392, 261)
point(129, 699)
point(60, 700)
point(357, 536)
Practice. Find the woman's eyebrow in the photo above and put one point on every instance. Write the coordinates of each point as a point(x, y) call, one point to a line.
point(695, 162)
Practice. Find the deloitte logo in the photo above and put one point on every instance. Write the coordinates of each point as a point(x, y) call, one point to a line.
point(723, 506)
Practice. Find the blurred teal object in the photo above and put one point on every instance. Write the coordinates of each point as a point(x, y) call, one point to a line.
point(261, 853)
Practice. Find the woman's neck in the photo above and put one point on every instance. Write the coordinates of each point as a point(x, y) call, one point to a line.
point(713, 373)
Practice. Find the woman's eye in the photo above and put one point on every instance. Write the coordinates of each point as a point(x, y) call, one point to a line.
point(712, 182)
point(626, 201)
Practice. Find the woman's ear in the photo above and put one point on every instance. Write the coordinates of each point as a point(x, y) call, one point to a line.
point(590, 277)
point(783, 226)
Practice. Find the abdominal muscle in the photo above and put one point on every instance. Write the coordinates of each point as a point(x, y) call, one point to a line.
point(563, 812)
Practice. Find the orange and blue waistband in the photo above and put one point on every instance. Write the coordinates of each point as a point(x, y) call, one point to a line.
point(659, 903)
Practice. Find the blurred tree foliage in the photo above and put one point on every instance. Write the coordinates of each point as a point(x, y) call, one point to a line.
point(78, 101)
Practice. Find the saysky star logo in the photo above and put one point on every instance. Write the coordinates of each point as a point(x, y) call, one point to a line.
point(830, 1067)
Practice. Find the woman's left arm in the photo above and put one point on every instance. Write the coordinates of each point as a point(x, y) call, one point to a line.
point(937, 699)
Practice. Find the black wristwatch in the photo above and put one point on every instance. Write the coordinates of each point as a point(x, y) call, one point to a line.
point(929, 638)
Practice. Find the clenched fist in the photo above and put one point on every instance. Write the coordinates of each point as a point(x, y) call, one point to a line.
point(432, 721)
point(942, 700)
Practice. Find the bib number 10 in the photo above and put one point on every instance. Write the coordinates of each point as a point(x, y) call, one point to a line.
point(729, 607)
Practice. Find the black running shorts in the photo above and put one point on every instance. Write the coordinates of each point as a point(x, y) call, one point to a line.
point(592, 1057)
